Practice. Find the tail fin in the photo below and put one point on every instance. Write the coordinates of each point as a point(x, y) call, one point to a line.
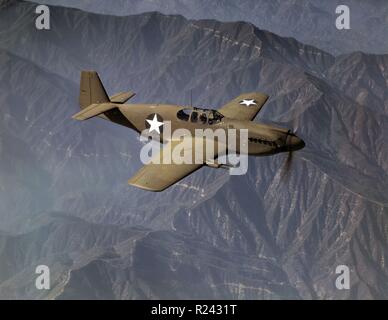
point(94, 100)
point(91, 89)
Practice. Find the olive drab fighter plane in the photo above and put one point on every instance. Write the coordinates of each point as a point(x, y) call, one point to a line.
point(263, 139)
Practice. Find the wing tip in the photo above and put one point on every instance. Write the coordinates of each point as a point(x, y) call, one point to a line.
point(133, 183)
point(261, 95)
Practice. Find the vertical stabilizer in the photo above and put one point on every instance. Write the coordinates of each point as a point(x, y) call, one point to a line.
point(91, 89)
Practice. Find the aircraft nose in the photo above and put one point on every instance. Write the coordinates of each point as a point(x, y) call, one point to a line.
point(295, 143)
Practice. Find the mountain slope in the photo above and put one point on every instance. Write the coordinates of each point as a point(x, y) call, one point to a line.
point(309, 21)
point(257, 236)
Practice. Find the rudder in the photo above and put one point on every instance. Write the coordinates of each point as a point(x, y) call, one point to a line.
point(91, 89)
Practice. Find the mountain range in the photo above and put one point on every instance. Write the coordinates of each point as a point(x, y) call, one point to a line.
point(64, 198)
point(309, 21)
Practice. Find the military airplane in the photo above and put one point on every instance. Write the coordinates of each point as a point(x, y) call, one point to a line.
point(239, 113)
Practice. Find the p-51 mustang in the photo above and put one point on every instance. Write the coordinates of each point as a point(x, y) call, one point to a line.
point(238, 114)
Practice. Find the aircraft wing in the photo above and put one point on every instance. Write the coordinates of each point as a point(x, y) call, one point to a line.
point(157, 177)
point(245, 107)
point(160, 176)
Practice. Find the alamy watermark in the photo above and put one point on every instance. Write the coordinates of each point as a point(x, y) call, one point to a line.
point(42, 281)
point(229, 146)
point(343, 20)
point(342, 281)
point(42, 22)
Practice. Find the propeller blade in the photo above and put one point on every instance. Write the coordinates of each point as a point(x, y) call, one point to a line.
point(294, 121)
point(287, 166)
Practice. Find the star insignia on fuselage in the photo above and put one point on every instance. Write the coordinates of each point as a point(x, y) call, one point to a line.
point(248, 102)
point(155, 124)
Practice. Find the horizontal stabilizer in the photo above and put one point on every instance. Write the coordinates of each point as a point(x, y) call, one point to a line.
point(93, 110)
point(121, 97)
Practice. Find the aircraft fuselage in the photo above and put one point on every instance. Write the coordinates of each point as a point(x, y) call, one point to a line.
point(263, 139)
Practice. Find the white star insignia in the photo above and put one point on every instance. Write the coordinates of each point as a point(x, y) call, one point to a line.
point(248, 102)
point(154, 124)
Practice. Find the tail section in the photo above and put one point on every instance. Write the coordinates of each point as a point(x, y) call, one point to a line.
point(93, 99)
point(91, 89)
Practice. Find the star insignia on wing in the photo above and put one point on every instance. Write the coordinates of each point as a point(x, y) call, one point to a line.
point(248, 102)
point(154, 124)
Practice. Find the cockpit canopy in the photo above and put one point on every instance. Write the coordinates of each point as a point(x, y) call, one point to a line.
point(204, 116)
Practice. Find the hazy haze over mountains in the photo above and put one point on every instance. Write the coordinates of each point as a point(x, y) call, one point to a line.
point(64, 198)
point(309, 21)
